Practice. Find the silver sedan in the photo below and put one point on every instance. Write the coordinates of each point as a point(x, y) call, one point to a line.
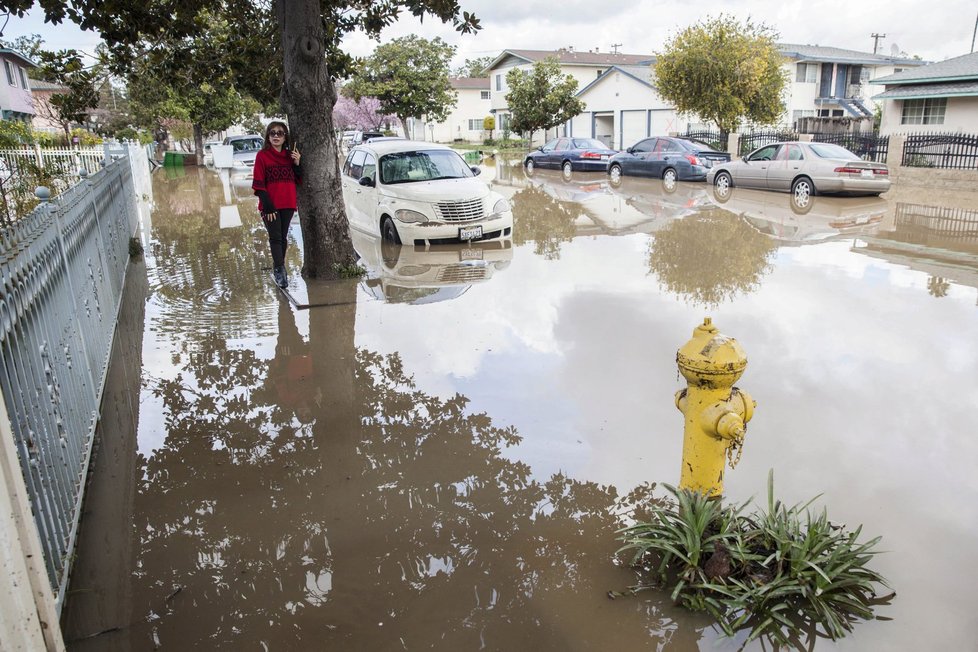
point(803, 169)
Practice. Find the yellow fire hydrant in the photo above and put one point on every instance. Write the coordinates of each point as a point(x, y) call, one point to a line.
point(716, 412)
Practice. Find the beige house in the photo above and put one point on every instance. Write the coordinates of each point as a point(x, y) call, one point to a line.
point(465, 122)
point(16, 102)
point(832, 84)
point(45, 116)
point(939, 97)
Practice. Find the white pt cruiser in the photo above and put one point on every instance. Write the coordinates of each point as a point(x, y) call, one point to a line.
point(417, 193)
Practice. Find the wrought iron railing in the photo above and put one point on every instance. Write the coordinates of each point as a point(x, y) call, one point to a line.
point(62, 269)
point(941, 150)
point(716, 139)
point(751, 140)
point(24, 169)
point(869, 147)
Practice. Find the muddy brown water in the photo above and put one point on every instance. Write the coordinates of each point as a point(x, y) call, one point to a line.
point(438, 457)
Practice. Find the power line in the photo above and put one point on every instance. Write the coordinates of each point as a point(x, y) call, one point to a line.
point(615, 46)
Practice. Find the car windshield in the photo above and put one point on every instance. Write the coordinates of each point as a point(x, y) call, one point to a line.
point(426, 165)
point(246, 145)
point(823, 150)
point(588, 143)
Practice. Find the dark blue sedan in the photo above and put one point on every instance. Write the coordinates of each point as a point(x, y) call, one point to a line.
point(570, 154)
point(666, 158)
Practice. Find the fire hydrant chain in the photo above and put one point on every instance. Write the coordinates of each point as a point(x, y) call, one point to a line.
point(734, 457)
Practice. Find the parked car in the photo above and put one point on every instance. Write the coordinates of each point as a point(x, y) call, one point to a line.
point(421, 193)
point(570, 154)
point(667, 158)
point(803, 169)
point(245, 150)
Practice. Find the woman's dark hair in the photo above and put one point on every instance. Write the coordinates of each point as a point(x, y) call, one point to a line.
point(287, 145)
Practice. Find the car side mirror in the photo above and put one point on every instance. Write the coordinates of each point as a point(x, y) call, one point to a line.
point(540, 148)
point(367, 181)
point(630, 150)
point(476, 170)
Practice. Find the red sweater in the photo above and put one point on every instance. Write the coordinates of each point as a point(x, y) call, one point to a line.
point(274, 174)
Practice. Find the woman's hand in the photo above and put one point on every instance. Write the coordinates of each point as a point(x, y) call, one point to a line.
point(296, 156)
point(270, 216)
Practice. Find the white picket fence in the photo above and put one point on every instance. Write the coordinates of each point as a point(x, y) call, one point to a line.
point(19, 174)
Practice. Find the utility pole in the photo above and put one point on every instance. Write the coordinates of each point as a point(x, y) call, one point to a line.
point(615, 46)
point(973, 34)
point(876, 40)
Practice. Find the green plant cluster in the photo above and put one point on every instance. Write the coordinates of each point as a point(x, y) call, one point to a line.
point(782, 574)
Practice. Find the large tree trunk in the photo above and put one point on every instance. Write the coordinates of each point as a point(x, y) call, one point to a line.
point(308, 97)
point(199, 144)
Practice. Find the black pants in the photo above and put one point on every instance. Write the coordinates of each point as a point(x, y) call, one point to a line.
point(278, 235)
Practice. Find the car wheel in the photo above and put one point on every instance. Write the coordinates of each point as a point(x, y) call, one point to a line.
point(567, 169)
point(614, 175)
point(722, 184)
point(669, 175)
point(802, 191)
point(528, 164)
point(388, 232)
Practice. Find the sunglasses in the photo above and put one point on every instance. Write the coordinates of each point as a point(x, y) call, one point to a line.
point(276, 132)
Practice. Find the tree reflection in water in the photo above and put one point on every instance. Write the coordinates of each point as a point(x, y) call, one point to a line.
point(321, 499)
point(710, 257)
point(545, 221)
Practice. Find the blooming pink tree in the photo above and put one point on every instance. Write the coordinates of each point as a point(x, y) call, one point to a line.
point(365, 114)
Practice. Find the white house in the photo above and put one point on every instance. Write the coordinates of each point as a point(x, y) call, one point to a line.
point(621, 103)
point(941, 96)
point(16, 102)
point(465, 121)
point(832, 83)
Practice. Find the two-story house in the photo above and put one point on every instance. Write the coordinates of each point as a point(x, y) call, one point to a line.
point(827, 83)
point(465, 122)
point(16, 102)
point(621, 103)
point(941, 96)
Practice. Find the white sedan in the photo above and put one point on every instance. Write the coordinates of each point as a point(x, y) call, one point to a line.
point(419, 193)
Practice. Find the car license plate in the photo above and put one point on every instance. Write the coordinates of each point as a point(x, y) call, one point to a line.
point(470, 232)
point(470, 254)
point(867, 173)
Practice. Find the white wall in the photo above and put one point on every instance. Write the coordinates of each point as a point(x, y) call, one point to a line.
point(470, 106)
point(961, 115)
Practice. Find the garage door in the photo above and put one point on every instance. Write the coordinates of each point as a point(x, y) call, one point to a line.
point(633, 127)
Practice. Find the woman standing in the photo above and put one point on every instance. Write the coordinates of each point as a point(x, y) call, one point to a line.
point(274, 181)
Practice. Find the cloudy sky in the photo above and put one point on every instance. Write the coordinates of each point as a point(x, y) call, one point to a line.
point(933, 31)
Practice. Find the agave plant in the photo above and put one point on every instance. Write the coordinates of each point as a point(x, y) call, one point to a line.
point(782, 573)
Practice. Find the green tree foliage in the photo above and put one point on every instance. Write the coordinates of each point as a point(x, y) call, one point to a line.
point(410, 76)
point(474, 67)
point(67, 69)
point(724, 71)
point(541, 98)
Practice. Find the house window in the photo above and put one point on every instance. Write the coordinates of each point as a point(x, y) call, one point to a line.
point(928, 111)
point(599, 72)
point(23, 77)
point(799, 114)
point(896, 70)
point(499, 82)
point(10, 73)
point(475, 124)
point(855, 74)
point(484, 95)
point(806, 73)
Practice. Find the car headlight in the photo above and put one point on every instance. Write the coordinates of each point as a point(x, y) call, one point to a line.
point(501, 207)
point(406, 215)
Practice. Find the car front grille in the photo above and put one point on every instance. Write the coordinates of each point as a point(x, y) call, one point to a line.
point(460, 211)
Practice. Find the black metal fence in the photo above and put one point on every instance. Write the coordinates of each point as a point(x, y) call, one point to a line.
point(715, 139)
point(926, 224)
point(869, 147)
point(751, 140)
point(941, 150)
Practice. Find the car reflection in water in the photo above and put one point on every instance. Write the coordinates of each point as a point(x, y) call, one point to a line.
point(661, 199)
point(418, 275)
point(791, 219)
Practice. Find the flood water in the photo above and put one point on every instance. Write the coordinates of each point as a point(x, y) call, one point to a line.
point(437, 456)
